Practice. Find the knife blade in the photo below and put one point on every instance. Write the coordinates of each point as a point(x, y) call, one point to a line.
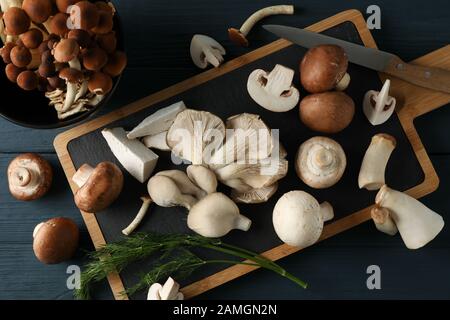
point(427, 77)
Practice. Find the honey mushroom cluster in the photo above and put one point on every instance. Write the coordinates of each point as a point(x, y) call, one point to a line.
point(65, 48)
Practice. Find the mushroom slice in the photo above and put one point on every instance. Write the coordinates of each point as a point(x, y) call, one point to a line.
point(273, 91)
point(157, 122)
point(371, 175)
point(154, 292)
point(255, 195)
point(136, 158)
point(383, 221)
point(195, 135)
point(205, 50)
point(320, 162)
point(202, 177)
point(379, 106)
point(158, 141)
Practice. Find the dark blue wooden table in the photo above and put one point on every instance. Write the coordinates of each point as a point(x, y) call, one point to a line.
point(158, 33)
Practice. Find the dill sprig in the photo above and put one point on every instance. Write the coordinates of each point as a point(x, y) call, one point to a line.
point(174, 259)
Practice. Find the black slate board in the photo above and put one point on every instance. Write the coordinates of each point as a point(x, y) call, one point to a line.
point(226, 96)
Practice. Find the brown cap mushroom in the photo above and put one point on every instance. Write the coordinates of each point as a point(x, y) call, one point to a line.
point(105, 23)
point(32, 38)
point(55, 240)
point(107, 42)
point(99, 186)
point(21, 56)
point(42, 84)
point(328, 112)
point(82, 37)
point(100, 83)
point(94, 59)
point(84, 15)
point(12, 72)
point(29, 177)
point(66, 50)
point(27, 80)
point(324, 68)
point(105, 6)
point(47, 70)
point(71, 75)
point(58, 24)
point(56, 82)
point(16, 21)
point(43, 47)
point(5, 52)
point(116, 64)
point(38, 10)
point(63, 5)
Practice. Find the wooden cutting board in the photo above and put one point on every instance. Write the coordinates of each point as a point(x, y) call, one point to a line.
point(222, 91)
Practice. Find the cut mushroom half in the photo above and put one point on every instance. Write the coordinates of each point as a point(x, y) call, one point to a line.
point(239, 36)
point(383, 221)
point(273, 91)
point(205, 50)
point(379, 106)
point(146, 201)
point(372, 173)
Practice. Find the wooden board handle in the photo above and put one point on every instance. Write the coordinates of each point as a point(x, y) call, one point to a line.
point(427, 77)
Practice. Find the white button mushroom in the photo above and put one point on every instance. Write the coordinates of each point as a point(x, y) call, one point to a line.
point(298, 218)
point(273, 90)
point(320, 162)
point(205, 50)
point(379, 106)
point(416, 223)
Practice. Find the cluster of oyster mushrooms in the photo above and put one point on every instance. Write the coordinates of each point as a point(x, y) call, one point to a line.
point(65, 48)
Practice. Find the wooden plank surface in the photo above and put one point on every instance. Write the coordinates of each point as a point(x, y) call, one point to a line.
point(409, 29)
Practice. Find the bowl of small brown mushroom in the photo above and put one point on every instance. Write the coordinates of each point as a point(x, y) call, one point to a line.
point(62, 60)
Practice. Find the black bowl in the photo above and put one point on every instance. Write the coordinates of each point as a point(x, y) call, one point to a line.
point(30, 108)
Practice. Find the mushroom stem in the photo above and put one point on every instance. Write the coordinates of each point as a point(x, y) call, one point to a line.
point(242, 223)
point(21, 177)
point(379, 106)
point(75, 64)
point(383, 221)
point(82, 175)
point(70, 96)
point(146, 201)
point(2, 31)
point(213, 56)
point(344, 83)
point(326, 211)
point(82, 91)
point(3, 5)
point(262, 13)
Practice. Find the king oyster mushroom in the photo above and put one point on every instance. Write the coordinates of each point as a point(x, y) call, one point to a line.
point(273, 90)
point(205, 50)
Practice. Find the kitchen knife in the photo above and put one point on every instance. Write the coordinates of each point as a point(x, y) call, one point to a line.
point(431, 78)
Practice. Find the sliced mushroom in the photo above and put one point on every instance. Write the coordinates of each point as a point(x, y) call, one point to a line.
point(379, 106)
point(371, 175)
point(383, 221)
point(273, 91)
point(205, 50)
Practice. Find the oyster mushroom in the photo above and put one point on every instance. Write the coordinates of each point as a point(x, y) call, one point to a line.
point(29, 177)
point(254, 196)
point(273, 90)
point(202, 177)
point(205, 50)
point(165, 192)
point(324, 68)
point(183, 182)
point(320, 162)
point(157, 141)
point(383, 221)
point(240, 36)
point(379, 106)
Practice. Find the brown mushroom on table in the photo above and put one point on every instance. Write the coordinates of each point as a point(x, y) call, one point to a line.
point(99, 186)
point(29, 176)
point(55, 240)
point(324, 68)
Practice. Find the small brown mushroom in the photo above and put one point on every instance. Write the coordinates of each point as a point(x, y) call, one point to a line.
point(43, 47)
point(99, 187)
point(105, 23)
point(29, 177)
point(58, 24)
point(21, 56)
point(328, 112)
point(82, 37)
point(107, 42)
point(105, 6)
point(100, 83)
point(324, 68)
point(94, 59)
point(27, 80)
point(12, 72)
point(66, 50)
point(55, 240)
point(16, 21)
point(63, 5)
point(56, 82)
point(72, 77)
point(47, 70)
point(42, 84)
point(5, 52)
point(84, 15)
point(38, 10)
point(116, 64)
point(32, 38)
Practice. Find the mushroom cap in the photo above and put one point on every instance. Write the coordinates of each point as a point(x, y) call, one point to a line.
point(42, 84)
point(16, 21)
point(328, 112)
point(320, 162)
point(84, 15)
point(107, 42)
point(32, 38)
point(47, 57)
point(55, 240)
point(100, 83)
point(105, 23)
point(323, 67)
point(297, 219)
point(237, 37)
point(66, 50)
point(38, 10)
point(47, 70)
point(71, 75)
point(56, 82)
point(101, 189)
point(63, 5)
point(5, 52)
point(21, 56)
point(82, 37)
point(43, 47)
point(116, 64)
point(105, 6)
point(29, 176)
point(94, 59)
point(58, 24)
point(27, 80)
point(12, 72)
